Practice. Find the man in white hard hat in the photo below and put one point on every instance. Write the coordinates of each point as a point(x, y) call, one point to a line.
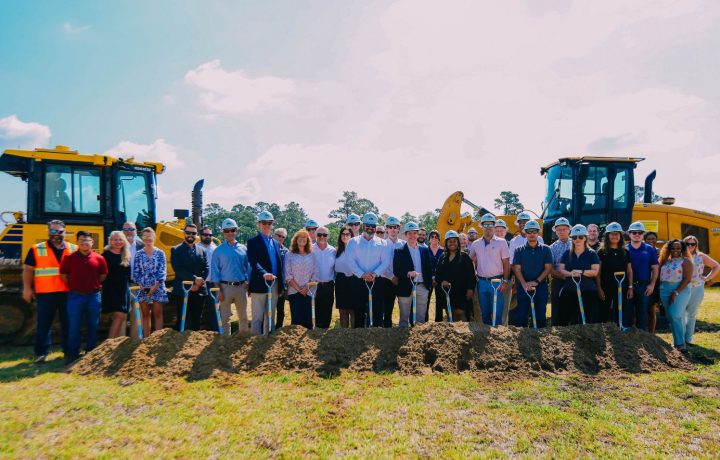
point(311, 226)
point(324, 254)
point(369, 259)
point(266, 266)
point(501, 229)
point(532, 264)
point(412, 262)
point(353, 223)
point(644, 262)
point(518, 241)
point(389, 282)
point(230, 272)
point(490, 255)
point(558, 249)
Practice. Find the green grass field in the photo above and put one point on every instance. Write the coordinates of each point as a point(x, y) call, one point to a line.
point(47, 413)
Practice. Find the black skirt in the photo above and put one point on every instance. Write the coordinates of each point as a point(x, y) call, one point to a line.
point(344, 292)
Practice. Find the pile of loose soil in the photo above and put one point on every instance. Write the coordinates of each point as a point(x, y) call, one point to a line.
point(433, 347)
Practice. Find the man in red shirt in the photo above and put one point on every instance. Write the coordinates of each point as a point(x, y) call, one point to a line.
point(83, 272)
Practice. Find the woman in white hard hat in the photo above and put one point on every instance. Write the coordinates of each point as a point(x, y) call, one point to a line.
point(579, 263)
point(614, 258)
point(455, 271)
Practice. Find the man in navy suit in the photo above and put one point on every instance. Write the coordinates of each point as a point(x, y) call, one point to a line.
point(266, 265)
point(412, 261)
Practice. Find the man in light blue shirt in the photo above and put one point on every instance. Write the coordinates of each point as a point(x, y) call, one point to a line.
point(230, 271)
point(324, 255)
point(368, 259)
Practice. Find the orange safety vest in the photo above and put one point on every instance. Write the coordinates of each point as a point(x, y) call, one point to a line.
point(47, 268)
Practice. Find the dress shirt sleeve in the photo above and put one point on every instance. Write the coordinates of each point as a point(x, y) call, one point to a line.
point(385, 262)
point(215, 267)
point(353, 258)
point(289, 267)
point(253, 257)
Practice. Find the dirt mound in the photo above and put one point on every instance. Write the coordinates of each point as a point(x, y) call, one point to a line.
point(433, 347)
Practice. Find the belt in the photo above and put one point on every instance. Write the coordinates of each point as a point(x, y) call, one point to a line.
point(484, 278)
point(85, 293)
point(327, 282)
point(233, 283)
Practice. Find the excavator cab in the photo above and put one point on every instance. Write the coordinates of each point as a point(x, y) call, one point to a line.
point(589, 190)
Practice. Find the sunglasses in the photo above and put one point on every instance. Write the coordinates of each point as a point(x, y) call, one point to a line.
point(578, 237)
point(434, 237)
point(311, 229)
point(354, 224)
point(370, 226)
point(128, 229)
point(392, 226)
point(191, 233)
point(531, 232)
point(345, 234)
point(229, 230)
point(56, 232)
point(488, 225)
point(206, 235)
point(379, 232)
point(266, 222)
point(322, 235)
point(635, 232)
point(281, 236)
point(690, 244)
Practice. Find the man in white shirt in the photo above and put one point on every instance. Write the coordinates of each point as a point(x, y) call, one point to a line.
point(324, 254)
point(389, 283)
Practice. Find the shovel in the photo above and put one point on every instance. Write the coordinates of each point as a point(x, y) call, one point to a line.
point(531, 293)
point(370, 309)
point(577, 280)
point(620, 277)
point(214, 294)
point(186, 293)
point(447, 301)
point(495, 283)
point(269, 312)
point(312, 290)
point(136, 307)
point(414, 299)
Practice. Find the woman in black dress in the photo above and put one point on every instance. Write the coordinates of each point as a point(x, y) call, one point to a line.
point(455, 271)
point(115, 288)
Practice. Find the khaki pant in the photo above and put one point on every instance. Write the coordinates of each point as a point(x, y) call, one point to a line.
point(259, 307)
point(233, 295)
point(133, 323)
point(420, 306)
point(508, 301)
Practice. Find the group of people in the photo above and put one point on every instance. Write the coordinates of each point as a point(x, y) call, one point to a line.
point(363, 274)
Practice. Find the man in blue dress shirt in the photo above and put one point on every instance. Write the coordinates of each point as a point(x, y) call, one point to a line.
point(266, 265)
point(230, 271)
point(369, 259)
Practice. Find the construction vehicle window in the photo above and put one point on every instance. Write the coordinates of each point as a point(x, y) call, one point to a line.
point(702, 235)
point(72, 189)
point(594, 188)
point(621, 192)
point(559, 193)
point(133, 198)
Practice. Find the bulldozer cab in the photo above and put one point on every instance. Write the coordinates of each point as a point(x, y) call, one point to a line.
point(89, 190)
point(589, 190)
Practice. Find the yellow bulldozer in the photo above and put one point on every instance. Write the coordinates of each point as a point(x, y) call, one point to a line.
point(598, 190)
point(96, 193)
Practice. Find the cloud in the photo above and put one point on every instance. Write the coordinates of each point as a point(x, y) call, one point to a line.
point(158, 151)
point(429, 98)
point(15, 133)
point(71, 29)
point(235, 92)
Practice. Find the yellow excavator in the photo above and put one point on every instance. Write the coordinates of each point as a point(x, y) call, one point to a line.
point(598, 190)
point(96, 193)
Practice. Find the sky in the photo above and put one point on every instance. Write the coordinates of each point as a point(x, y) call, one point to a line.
point(404, 102)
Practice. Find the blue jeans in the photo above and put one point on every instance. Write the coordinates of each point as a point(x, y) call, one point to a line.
point(519, 316)
point(696, 297)
point(47, 305)
point(77, 306)
point(638, 307)
point(677, 311)
point(485, 294)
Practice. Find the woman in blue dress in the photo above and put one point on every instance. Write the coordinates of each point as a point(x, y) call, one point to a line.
point(150, 271)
